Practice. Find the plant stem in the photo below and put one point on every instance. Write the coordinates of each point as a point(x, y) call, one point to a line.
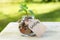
point(27, 14)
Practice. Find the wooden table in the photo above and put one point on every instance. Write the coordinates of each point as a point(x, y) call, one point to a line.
point(11, 32)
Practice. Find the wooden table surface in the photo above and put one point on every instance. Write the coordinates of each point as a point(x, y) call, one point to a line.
point(11, 32)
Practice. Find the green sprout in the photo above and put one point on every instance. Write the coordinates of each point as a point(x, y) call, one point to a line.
point(25, 9)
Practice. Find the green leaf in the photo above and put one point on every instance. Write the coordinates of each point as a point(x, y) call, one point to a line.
point(24, 6)
point(31, 12)
point(20, 10)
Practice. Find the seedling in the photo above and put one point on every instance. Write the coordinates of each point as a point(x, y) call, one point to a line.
point(25, 9)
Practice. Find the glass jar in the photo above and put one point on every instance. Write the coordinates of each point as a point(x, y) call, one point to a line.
point(23, 26)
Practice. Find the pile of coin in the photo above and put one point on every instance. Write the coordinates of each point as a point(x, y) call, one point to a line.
point(23, 26)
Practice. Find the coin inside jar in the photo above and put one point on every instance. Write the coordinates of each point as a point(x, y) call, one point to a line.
point(24, 27)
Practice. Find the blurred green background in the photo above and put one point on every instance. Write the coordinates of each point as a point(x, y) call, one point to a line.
point(45, 10)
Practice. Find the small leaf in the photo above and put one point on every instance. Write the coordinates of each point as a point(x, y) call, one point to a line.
point(24, 6)
point(31, 12)
point(20, 10)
